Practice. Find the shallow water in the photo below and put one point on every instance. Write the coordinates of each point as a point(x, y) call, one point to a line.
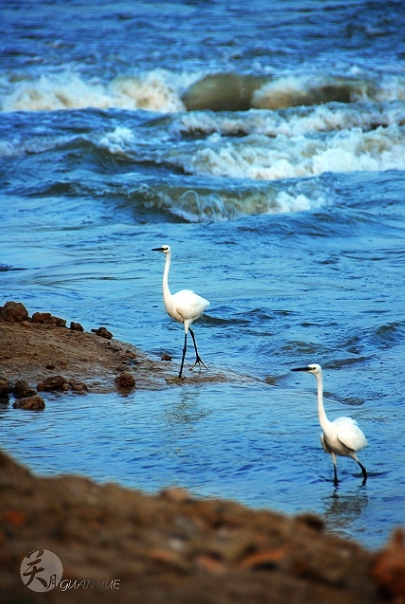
point(289, 220)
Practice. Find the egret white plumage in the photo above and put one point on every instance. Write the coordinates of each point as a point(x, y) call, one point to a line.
point(184, 306)
point(340, 437)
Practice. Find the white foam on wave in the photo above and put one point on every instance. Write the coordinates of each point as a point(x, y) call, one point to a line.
point(287, 202)
point(160, 90)
point(194, 205)
point(17, 146)
point(259, 157)
point(7, 148)
point(118, 141)
point(68, 90)
point(293, 122)
point(294, 90)
point(283, 92)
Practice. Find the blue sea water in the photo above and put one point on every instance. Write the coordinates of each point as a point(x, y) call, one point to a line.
point(265, 143)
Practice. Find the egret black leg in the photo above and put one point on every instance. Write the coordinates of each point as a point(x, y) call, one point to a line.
point(364, 471)
point(198, 359)
point(184, 355)
point(335, 479)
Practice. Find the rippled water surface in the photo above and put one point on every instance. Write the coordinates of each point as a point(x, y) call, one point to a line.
point(272, 162)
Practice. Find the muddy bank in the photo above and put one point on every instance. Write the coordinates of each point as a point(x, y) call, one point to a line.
point(51, 355)
point(118, 545)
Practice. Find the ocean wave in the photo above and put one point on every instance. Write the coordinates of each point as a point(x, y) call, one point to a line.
point(293, 121)
point(259, 157)
point(168, 92)
point(390, 334)
point(201, 204)
point(67, 90)
point(232, 92)
point(295, 151)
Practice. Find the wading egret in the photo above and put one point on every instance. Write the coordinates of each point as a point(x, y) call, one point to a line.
point(340, 437)
point(184, 306)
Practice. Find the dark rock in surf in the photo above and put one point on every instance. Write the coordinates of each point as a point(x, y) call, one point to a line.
point(125, 381)
point(23, 389)
point(34, 403)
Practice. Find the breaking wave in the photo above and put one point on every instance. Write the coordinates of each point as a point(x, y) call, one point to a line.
point(162, 91)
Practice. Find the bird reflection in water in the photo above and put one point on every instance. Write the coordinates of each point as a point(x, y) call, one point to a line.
point(342, 511)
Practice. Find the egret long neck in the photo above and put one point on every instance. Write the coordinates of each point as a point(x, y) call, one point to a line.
point(323, 420)
point(166, 290)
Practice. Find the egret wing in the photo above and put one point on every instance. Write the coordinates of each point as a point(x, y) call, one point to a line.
point(189, 304)
point(349, 433)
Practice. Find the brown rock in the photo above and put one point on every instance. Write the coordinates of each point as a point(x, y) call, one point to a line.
point(79, 387)
point(31, 402)
point(48, 319)
point(27, 323)
point(41, 317)
point(14, 312)
point(54, 382)
point(103, 333)
point(125, 380)
point(76, 326)
point(22, 389)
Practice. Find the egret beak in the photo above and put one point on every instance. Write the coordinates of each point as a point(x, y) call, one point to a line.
point(301, 369)
point(157, 249)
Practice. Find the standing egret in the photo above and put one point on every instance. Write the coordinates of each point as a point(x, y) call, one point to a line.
point(184, 306)
point(340, 437)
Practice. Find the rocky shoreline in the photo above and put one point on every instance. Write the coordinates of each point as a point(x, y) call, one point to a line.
point(120, 545)
point(42, 354)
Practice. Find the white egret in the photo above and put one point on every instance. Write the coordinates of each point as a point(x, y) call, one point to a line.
point(184, 306)
point(340, 437)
